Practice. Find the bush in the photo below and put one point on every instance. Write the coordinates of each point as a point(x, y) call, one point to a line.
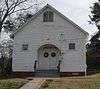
point(5, 66)
point(91, 63)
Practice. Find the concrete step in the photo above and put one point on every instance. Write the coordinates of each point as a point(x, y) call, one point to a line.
point(47, 73)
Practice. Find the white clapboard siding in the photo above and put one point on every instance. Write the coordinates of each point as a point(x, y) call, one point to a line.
point(36, 33)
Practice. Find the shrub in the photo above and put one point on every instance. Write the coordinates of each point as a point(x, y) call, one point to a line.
point(5, 66)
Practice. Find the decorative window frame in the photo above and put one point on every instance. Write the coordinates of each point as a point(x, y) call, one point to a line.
point(48, 16)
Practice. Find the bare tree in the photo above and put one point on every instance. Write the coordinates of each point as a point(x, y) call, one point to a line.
point(9, 7)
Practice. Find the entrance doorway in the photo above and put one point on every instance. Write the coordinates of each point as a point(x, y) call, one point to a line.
point(48, 57)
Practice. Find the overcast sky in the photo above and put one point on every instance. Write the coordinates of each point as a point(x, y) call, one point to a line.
point(76, 10)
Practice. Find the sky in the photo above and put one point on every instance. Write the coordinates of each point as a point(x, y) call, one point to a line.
point(77, 11)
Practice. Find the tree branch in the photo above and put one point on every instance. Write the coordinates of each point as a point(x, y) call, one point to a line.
point(6, 2)
point(9, 7)
point(19, 10)
point(15, 4)
point(4, 17)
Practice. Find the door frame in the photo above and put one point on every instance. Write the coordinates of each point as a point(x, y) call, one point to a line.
point(47, 46)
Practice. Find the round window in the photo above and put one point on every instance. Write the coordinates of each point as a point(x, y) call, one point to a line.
point(46, 54)
point(53, 54)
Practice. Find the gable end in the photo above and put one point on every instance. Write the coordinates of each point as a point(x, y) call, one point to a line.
point(50, 7)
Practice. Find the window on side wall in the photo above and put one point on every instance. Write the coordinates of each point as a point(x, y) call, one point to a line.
point(72, 46)
point(25, 47)
point(48, 16)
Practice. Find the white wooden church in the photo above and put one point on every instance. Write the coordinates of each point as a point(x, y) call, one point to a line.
point(49, 45)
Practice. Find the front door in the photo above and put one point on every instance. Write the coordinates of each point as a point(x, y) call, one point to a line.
point(53, 58)
point(48, 58)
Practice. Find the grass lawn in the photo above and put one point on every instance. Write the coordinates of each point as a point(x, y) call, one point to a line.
point(12, 83)
point(89, 82)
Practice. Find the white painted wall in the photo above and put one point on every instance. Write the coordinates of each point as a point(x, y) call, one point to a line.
point(35, 34)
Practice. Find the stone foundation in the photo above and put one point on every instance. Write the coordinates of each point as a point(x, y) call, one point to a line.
point(22, 74)
point(69, 74)
point(31, 74)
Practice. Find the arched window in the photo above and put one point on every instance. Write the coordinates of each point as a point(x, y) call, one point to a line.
point(48, 16)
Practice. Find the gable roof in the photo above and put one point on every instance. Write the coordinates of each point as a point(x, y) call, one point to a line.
point(43, 9)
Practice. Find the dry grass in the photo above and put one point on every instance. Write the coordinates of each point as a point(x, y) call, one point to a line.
point(12, 83)
point(90, 82)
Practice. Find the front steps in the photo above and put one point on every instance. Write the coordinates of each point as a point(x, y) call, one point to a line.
point(47, 73)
